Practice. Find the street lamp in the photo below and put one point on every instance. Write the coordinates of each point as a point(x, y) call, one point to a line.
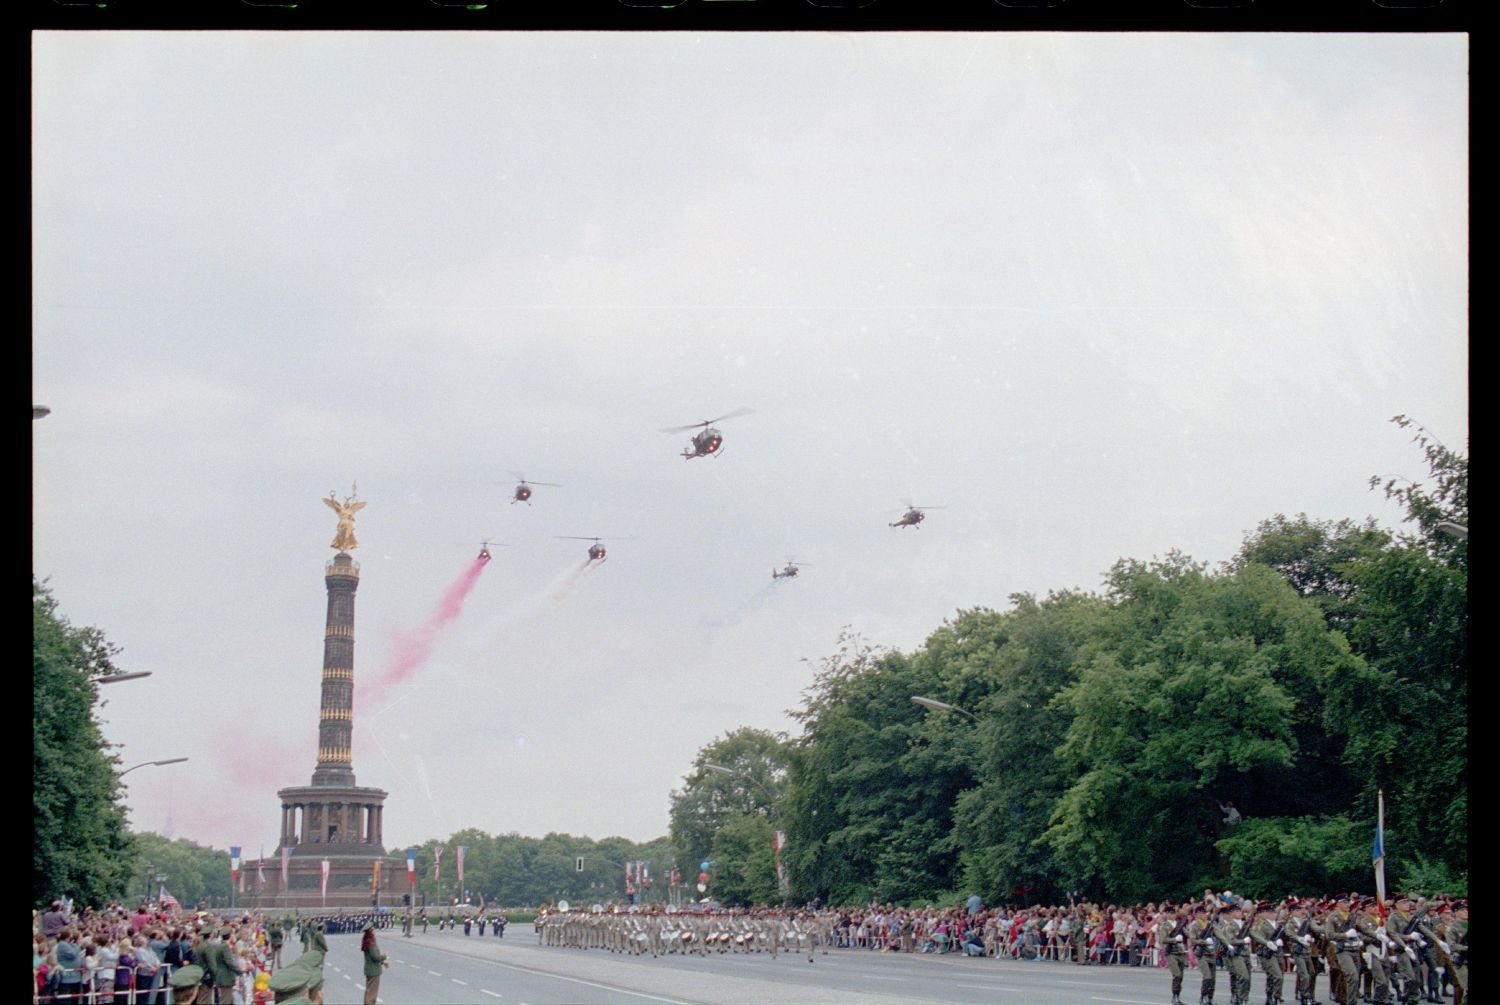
point(1458, 530)
point(40, 411)
point(170, 760)
point(942, 706)
point(719, 769)
point(116, 678)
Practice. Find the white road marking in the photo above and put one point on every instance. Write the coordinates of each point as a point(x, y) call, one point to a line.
point(455, 980)
point(1133, 1001)
point(434, 973)
point(490, 993)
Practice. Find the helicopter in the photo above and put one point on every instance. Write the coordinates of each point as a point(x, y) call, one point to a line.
point(484, 549)
point(523, 489)
point(596, 550)
point(709, 441)
point(914, 516)
point(790, 572)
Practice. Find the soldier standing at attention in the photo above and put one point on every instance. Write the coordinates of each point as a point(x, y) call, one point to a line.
point(1267, 936)
point(375, 962)
point(423, 916)
point(1171, 939)
point(1200, 933)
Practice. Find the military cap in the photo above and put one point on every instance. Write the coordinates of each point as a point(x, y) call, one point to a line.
point(1447, 909)
point(316, 982)
point(186, 977)
point(289, 980)
point(1264, 905)
point(1199, 909)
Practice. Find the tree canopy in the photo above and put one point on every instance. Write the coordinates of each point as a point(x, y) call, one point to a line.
point(80, 847)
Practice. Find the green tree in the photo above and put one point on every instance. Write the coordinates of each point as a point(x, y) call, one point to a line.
point(1186, 699)
point(79, 842)
point(191, 872)
point(752, 784)
point(999, 822)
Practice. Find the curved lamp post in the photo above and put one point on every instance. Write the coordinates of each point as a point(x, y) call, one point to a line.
point(1458, 530)
point(116, 678)
point(143, 764)
point(942, 706)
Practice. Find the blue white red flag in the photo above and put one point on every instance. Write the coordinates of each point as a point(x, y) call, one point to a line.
point(1377, 854)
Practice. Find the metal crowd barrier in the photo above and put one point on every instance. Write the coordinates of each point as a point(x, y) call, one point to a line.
point(85, 991)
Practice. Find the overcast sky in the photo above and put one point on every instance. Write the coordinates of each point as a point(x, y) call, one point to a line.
point(1098, 296)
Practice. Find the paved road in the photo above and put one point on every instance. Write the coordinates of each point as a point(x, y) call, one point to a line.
point(449, 968)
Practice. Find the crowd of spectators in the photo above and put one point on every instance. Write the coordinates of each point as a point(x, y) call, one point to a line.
point(113, 955)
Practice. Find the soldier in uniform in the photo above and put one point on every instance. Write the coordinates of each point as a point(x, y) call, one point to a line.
point(1300, 940)
point(1426, 940)
point(290, 985)
point(1234, 933)
point(1372, 932)
point(1200, 932)
point(319, 940)
point(277, 937)
point(184, 983)
point(1171, 939)
point(1401, 956)
point(1267, 936)
point(422, 917)
point(1455, 934)
point(1346, 944)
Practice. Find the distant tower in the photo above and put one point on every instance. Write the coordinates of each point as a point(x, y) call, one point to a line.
point(333, 819)
point(336, 717)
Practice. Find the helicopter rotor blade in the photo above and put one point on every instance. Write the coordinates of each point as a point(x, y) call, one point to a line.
point(683, 429)
point(733, 415)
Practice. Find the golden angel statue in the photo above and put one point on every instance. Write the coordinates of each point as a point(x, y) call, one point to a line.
point(344, 540)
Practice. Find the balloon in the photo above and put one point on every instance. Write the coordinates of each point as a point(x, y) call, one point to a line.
point(702, 887)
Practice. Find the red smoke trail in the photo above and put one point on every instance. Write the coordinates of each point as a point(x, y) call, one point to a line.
point(412, 650)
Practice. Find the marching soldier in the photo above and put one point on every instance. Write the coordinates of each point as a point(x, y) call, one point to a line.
point(1234, 933)
point(1455, 935)
point(1200, 932)
point(1267, 936)
point(1172, 941)
point(1403, 956)
point(1367, 923)
point(1300, 938)
point(1345, 944)
point(1426, 940)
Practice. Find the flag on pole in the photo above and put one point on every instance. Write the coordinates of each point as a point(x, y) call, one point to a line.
point(437, 863)
point(375, 879)
point(1377, 854)
point(645, 873)
point(411, 868)
point(325, 881)
point(167, 900)
point(234, 864)
point(242, 882)
point(460, 861)
point(286, 860)
point(779, 841)
point(260, 870)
